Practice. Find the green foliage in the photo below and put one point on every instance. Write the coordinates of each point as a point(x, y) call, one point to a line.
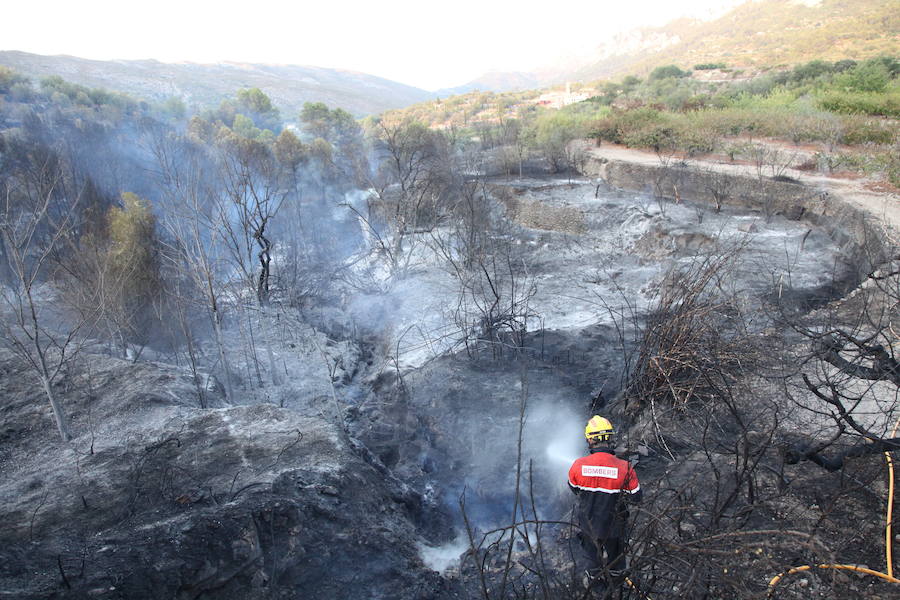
point(317, 119)
point(255, 105)
point(861, 103)
point(133, 267)
point(289, 150)
point(551, 133)
point(254, 100)
point(175, 107)
point(605, 130)
point(341, 133)
point(891, 63)
point(200, 130)
point(811, 70)
point(57, 87)
point(870, 76)
point(132, 237)
point(9, 78)
point(658, 137)
point(843, 65)
point(776, 32)
point(224, 114)
point(866, 130)
point(671, 136)
point(709, 66)
point(666, 72)
point(23, 92)
point(249, 105)
point(893, 167)
point(622, 124)
point(244, 127)
point(586, 111)
point(780, 97)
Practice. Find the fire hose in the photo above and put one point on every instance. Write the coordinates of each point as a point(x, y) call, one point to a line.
point(888, 539)
point(635, 588)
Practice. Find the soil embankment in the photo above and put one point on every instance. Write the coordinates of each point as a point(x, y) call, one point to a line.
point(851, 212)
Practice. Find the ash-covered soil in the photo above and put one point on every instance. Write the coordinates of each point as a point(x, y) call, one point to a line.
point(342, 476)
point(157, 498)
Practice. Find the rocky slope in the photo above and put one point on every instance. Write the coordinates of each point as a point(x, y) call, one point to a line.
point(158, 499)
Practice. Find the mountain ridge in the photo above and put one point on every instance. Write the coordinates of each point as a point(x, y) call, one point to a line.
point(762, 33)
point(289, 86)
point(756, 33)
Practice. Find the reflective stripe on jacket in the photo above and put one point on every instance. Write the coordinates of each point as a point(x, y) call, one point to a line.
point(599, 479)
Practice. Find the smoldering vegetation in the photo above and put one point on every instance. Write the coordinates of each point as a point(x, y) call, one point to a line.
point(244, 358)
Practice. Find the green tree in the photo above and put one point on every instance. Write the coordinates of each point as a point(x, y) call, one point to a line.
point(175, 107)
point(132, 279)
point(254, 100)
point(289, 150)
point(342, 133)
point(553, 132)
point(316, 119)
point(200, 130)
point(244, 127)
point(666, 72)
point(870, 76)
point(811, 70)
point(255, 104)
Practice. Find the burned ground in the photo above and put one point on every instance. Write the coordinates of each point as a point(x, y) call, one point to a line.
point(337, 480)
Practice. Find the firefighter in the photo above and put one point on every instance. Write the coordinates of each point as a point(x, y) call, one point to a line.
point(600, 482)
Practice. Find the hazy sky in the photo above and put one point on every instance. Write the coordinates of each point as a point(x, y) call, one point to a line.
point(421, 43)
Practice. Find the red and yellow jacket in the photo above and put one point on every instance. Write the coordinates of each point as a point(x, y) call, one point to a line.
point(599, 479)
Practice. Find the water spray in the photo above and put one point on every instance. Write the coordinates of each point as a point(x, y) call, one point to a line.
point(563, 451)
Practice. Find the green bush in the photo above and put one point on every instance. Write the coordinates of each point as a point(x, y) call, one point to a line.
point(605, 130)
point(734, 121)
point(861, 130)
point(709, 66)
point(811, 70)
point(844, 65)
point(658, 137)
point(867, 77)
point(861, 103)
point(22, 92)
point(698, 141)
point(9, 78)
point(666, 72)
point(672, 135)
point(893, 172)
point(624, 123)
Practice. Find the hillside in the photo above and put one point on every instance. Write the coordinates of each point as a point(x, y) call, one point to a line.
point(289, 86)
point(757, 33)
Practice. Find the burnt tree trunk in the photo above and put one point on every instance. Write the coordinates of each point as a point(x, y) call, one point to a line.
point(265, 262)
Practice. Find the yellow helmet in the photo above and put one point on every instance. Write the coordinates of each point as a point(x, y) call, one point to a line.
point(598, 429)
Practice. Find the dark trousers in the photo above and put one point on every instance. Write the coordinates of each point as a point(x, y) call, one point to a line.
point(593, 549)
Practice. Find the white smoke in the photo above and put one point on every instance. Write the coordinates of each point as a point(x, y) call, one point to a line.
point(444, 557)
